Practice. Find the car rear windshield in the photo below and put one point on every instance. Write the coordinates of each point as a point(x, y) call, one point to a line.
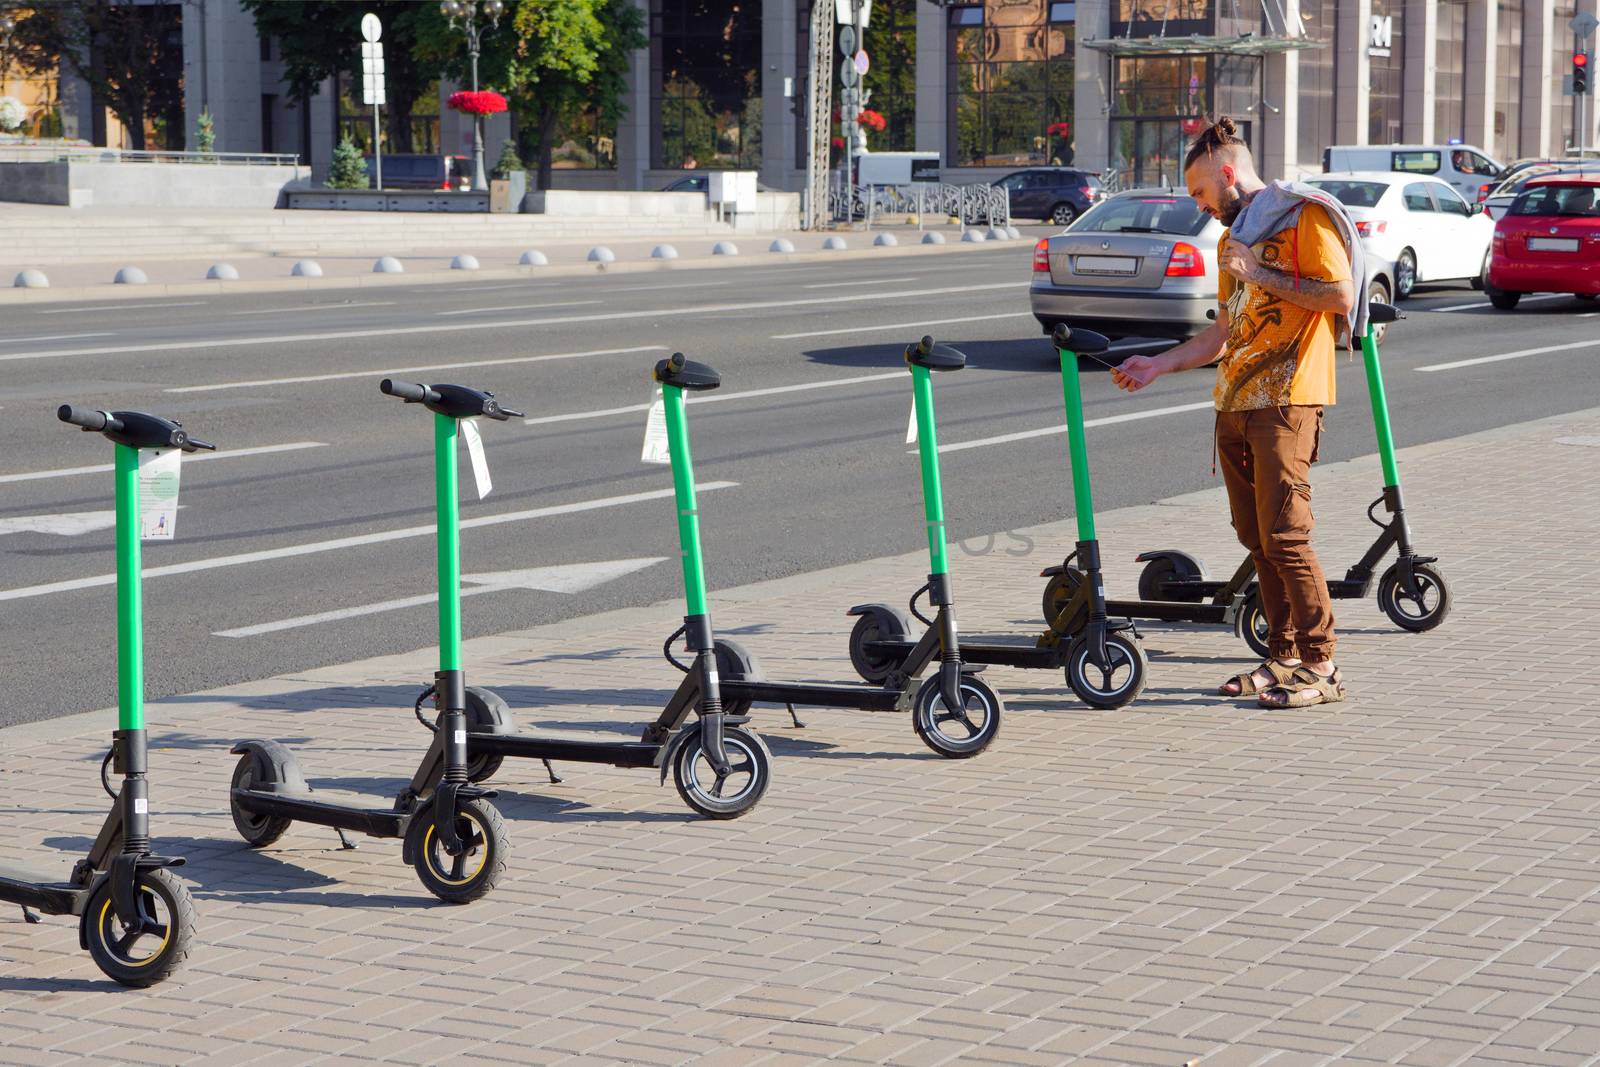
point(1354, 194)
point(1577, 201)
point(1145, 214)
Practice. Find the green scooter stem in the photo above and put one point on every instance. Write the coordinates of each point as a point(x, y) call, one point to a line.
point(1380, 409)
point(928, 448)
point(130, 626)
point(1082, 497)
point(445, 490)
point(694, 578)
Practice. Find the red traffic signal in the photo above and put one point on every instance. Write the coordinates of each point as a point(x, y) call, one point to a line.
point(1580, 59)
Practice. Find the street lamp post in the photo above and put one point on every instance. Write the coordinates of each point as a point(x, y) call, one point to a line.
point(465, 12)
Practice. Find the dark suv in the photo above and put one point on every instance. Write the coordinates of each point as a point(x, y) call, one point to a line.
point(1054, 194)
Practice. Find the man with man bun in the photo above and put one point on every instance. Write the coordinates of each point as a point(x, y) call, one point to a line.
point(1290, 268)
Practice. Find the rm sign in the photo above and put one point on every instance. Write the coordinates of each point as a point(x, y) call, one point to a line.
point(1381, 37)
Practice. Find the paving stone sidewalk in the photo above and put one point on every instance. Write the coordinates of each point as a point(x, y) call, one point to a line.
point(1412, 877)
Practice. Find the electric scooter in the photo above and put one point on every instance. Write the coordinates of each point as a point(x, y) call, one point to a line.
point(1104, 661)
point(1412, 591)
point(135, 919)
point(955, 713)
point(454, 837)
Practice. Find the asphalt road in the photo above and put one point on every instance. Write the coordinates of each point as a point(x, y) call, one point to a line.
point(332, 516)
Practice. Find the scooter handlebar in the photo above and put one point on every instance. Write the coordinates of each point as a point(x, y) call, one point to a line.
point(91, 421)
point(410, 392)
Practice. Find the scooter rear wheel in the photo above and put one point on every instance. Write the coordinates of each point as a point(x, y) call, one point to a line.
point(957, 734)
point(1251, 624)
point(880, 623)
point(471, 875)
point(738, 792)
point(1058, 593)
point(1108, 688)
point(734, 662)
point(484, 709)
point(142, 955)
point(259, 831)
point(1422, 612)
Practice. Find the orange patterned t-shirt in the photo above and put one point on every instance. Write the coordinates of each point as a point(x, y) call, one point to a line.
point(1277, 352)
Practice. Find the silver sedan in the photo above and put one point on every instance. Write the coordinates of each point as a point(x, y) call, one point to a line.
point(1141, 263)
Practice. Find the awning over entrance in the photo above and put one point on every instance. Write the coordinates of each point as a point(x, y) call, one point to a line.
point(1245, 44)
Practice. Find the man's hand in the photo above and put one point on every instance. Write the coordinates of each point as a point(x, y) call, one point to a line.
point(1136, 372)
point(1239, 261)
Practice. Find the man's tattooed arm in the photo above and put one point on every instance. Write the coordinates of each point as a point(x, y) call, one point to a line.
point(1337, 297)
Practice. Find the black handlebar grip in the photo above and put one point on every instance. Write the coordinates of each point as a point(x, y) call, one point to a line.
point(410, 392)
point(194, 444)
point(89, 420)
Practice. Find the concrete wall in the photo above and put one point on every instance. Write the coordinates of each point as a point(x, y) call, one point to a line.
point(34, 183)
point(603, 204)
point(145, 184)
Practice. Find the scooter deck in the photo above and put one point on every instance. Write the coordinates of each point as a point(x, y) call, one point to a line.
point(40, 892)
point(813, 694)
point(1168, 610)
point(535, 746)
point(374, 822)
point(999, 649)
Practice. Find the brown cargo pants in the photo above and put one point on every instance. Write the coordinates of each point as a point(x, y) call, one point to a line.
point(1266, 458)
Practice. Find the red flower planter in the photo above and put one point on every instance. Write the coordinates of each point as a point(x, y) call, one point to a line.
point(484, 102)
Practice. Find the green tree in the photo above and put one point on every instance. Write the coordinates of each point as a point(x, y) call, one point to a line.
point(131, 54)
point(347, 170)
point(554, 59)
point(321, 38)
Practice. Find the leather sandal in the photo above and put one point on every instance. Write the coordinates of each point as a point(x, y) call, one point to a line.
point(1304, 688)
point(1247, 684)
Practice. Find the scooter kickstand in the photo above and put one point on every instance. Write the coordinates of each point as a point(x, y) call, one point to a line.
point(29, 917)
point(798, 725)
point(344, 842)
point(555, 779)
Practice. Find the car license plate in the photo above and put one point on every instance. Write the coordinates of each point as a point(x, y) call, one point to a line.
point(1107, 265)
point(1552, 244)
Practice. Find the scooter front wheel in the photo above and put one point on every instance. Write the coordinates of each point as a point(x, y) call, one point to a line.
point(156, 944)
point(477, 870)
point(957, 733)
point(723, 796)
point(1117, 683)
point(1251, 624)
point(1415, 613)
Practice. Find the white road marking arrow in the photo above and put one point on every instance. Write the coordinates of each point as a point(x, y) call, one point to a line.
point(70, 525)
point(569, 579)
point(572, 578)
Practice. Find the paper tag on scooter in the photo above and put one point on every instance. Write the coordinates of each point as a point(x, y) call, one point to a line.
point(911, 424)
point(480, 462)
point(158, 493)
point(656, 449)
point(461, 737)
point(141, 806)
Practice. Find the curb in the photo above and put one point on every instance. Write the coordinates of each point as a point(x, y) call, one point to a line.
point(107, 292)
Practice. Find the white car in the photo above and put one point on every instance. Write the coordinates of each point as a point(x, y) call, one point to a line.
point(1417, 223)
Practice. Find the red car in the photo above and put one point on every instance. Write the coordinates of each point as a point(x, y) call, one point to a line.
point(1548, 241)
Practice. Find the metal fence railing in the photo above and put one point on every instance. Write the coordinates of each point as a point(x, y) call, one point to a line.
point(49, 153)
point(972, 205)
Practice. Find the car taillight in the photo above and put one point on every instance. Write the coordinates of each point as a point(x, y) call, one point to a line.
point(1372, 226)
point(1499, 237)
point(1483, 193)
point(1087, 191)
point(1186, 262)
point(1041, 256)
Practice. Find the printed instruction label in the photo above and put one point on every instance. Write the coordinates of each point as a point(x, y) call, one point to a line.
point(141, 806)
point(158, 493)
point(656, 448)
point(480, 462)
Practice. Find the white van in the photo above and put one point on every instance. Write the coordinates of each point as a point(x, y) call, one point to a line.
point(1464, 166)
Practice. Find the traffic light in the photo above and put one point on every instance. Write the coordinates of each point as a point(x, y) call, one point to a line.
point(1580, 73)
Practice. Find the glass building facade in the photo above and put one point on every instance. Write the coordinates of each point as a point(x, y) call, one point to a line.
point(705, 98)
point(1010, 74)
